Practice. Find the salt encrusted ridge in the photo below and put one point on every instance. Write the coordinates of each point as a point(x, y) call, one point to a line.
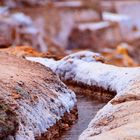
point(45, 114)
point(43, 98)
point(83, 67)
point(124, 81)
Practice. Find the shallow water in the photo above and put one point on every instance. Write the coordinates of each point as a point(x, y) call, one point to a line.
point(87, 109)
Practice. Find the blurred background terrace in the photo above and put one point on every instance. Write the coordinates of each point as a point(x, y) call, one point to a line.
point(60, 27)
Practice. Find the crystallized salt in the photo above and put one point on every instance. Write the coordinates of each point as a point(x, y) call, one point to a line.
point(83, 67)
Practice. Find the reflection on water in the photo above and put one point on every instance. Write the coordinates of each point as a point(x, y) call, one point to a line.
point(87, 109)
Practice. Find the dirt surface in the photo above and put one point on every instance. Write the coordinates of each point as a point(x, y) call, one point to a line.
point(94, 92)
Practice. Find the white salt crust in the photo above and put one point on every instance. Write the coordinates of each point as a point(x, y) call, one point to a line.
point(82, 67)
point(44, 114)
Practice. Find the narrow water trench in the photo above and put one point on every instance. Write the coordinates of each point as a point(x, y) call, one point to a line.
point(87, 109)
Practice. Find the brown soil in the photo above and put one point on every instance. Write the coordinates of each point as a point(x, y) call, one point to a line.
point(97, 93)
